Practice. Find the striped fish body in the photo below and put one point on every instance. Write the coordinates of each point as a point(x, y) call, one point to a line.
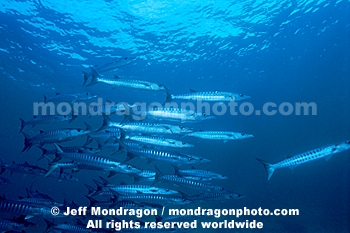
point(158, 141)
point(153, 128)
point(309, 156)
point(192, 184)
point(145, 189)
point(46, 119)
point(215, 196)
point(69, 97)
point(205, 174)
point(218, 96)
point(95, 161)
point(131, 83)
point(155, 199)
point(177, 114)
point(23, 208)
point(219, 135)
point(170, 157)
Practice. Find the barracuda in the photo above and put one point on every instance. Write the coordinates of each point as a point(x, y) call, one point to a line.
point(128, 83)
point(23, 208)
point(158, 141)
point(215, 196)
point(132, 188)
point(205, 174)
point(54, 136)
point(96, 161)
point(151, 154)
point(147, 128)
point(154, 199)
point(219, 135)
point(218, 96)
point(69, 97)
point(309, 156)
point(183, 182)
point(46, 120)
point(177, 114)
point(112, 65)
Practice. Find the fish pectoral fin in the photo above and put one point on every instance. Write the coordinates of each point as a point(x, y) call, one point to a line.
point(327, 158)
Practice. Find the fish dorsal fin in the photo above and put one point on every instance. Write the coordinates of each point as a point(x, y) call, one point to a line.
point(41, 131)
point(138, 192)
point(25, 162)
point(289, 156)
point(192, 90)
point(57, 93)
point(116, 76)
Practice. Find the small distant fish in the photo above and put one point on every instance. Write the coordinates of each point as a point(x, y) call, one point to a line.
point(47, 119)
point(4, 180)
point(309, 156)
point(112, 65)
point(218, 96)
point(219, 135)
point(128, 83)
point(69, 97)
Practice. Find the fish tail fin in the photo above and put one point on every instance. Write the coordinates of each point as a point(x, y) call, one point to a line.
point(58, 156)
point(91, 190)
point(169, 96)
point(45, 98)
point(127, 118)
point(269, 169)
point(52, 168)
point(87, 126)
point(94, 76)
point(106, 122)
point(93, 202)
point(23, 123)
point(74, 116)
point(49, 225)
point(158, 176)
point(86, 77)
point(43, 154)
point(27, 143)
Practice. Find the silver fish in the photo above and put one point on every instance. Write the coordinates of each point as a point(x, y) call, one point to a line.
point(112, 65)
point(219, 96)
point(309, 156)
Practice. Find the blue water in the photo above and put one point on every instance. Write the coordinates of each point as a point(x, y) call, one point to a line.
point(273, 51)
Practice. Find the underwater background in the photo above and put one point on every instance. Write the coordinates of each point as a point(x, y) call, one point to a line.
point(273, 51)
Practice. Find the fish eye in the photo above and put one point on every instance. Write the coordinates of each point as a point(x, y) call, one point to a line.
point(241, 95)
point(222, 189)
point(348, 142)
point(183, 143)
point(87, 93)
point(204, 114)
point(129, 167)
point(201, 159)
point(79, 130)
point(184, 200)
point(190, 159)
point(167, 190)
point(333, 149)
point(242, 134)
